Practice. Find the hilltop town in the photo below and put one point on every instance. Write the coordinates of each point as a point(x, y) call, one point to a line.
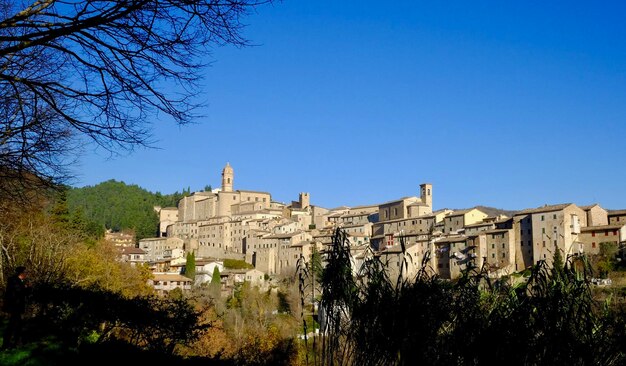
point(245, 225)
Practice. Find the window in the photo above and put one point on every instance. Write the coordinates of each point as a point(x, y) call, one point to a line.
point(543, 230)
point(502, 245)
point(544, 243)
point(593, 245)
point(554, 216)
point(593, 233)
point(493, 255)
point(554, 241)
point(493, 246)
point(542, 217)
point(606, 233)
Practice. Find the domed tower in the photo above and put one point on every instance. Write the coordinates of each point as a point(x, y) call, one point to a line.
point(227, 178)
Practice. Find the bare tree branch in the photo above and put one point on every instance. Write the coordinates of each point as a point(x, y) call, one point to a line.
point(100, 70)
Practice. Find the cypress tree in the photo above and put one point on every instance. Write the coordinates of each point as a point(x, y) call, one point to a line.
point(190, 266)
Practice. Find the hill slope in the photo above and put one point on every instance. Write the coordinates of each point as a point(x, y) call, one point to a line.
point(118, 206)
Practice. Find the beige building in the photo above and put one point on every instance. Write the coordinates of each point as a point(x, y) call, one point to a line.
point(225, 202)
point(596, 215)
point(541, 231)
point(158, 248)
point(167, 216)
point(457, 220)
point(121, 239)
point(278, 253)
point(398, 209)
point(406, 264)
point(132, 255)
point(592, 236)
point(616, 216)
point(500, 251)
point(166, 282)
point(452, 255)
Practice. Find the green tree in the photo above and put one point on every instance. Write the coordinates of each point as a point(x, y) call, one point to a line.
point(117, 206)
point(190, 266)
point(216, 283)
point(316, 264)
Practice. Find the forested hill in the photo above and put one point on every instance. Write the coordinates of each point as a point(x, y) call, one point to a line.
point(118, 206)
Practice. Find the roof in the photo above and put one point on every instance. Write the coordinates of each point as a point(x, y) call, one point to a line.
point(603, 227)
point(463, 212)
point(545, 208)
point(392, 249)
point(452, 239)
point(359, 214)
point(481, 224)
point(497, 231)
point(154, 239)
point(423, 217)
point(589, 207)
point(616, 212)
point(132, 250)
point(418, 204)
point(283, 236)
point(246, 191)
point(204, 261)
point(356, 225)
point(399, 199)
point(170, 277)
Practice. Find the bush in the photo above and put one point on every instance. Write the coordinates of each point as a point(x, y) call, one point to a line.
point(551, 319)
point(237, 264)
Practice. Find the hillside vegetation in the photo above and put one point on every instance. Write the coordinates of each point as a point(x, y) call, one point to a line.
point(118, 206)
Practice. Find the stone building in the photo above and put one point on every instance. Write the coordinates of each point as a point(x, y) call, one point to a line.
point(541, 231)
point(592, 236)
point(616, 216)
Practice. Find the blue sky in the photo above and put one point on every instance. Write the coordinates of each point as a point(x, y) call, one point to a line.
point(510, 105)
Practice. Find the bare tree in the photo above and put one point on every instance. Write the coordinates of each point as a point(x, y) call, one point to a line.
point(73, 71)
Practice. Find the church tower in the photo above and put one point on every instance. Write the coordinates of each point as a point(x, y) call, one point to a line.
point(426, 194)
point(305, 200)
point(227, 178)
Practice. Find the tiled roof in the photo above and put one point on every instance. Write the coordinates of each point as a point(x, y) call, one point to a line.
point(546, 208)
point(603, 227)
point(616, 212)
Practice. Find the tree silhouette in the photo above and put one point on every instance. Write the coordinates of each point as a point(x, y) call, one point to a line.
point(81, 70)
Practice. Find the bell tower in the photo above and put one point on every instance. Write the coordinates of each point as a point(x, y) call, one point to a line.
point(227, 178)
point(426, 194)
